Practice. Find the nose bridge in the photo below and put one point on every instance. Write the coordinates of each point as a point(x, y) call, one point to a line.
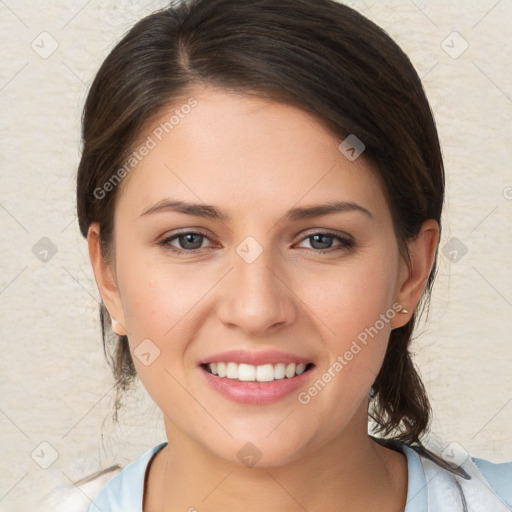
point(256, 298)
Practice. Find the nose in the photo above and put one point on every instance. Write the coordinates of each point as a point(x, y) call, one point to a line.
point(256, 296)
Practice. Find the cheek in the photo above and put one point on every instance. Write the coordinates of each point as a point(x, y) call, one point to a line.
point(156, 297)
point(162, 304)
point(159, 306)
point(353, 306)
point(352, 297)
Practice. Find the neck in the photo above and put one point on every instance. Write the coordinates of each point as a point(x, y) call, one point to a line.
point(336, 477)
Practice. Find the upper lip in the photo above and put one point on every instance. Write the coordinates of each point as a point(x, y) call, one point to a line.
point(255, 358)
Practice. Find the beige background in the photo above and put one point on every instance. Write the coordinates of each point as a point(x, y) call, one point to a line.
point(56, 386)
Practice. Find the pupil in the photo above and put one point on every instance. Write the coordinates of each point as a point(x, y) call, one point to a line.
point(323, 236)
point(189, 238)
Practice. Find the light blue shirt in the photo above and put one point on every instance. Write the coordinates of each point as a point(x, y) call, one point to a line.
point(430, 487)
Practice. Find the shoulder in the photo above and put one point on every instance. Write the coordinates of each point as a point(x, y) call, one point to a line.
point(124, 491)
point(498, 476)
point(483, 485)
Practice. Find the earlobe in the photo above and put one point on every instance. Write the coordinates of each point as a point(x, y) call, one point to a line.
point(105, 280)
point(117, 327)
point(413, 279)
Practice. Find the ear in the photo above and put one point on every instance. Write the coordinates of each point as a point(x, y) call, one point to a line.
point(105, 280)
point(414, 276)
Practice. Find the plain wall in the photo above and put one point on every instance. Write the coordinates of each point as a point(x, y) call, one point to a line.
point(56, 386)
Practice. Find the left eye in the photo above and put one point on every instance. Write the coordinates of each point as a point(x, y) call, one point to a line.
point(325, 239)
point(191, 242)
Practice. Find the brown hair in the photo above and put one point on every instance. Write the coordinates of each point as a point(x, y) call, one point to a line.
point(318, 55)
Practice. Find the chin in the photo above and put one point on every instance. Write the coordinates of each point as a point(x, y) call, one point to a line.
point(259, 451)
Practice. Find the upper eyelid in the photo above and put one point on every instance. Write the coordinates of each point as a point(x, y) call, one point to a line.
point(307, 234)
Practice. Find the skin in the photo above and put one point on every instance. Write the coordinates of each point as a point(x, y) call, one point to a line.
point(254, 160)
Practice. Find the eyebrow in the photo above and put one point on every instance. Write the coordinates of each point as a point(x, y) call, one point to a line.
point(294, 214)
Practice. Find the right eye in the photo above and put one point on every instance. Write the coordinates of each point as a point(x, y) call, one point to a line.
point(189, 242)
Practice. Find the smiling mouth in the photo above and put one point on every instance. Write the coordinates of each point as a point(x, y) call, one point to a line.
point(252, 373)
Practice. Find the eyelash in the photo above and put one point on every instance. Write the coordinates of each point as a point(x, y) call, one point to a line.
point(346, 242)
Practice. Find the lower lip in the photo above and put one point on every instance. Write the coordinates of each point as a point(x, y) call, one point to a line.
point(257, 393)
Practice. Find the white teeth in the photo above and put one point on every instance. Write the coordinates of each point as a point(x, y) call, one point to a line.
point(300, 369)
point(232, 371)
point(246, 372)
point(279, 371)
point(221, 369)
point(265, 373)
point(262, 373)
point(290, 370)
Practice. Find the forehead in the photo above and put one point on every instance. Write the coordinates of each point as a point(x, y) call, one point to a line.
point(232, 149)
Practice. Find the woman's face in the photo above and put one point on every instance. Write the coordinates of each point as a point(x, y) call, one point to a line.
point(251, 284)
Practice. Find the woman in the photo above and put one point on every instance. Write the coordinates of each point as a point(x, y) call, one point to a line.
point(261, 189)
